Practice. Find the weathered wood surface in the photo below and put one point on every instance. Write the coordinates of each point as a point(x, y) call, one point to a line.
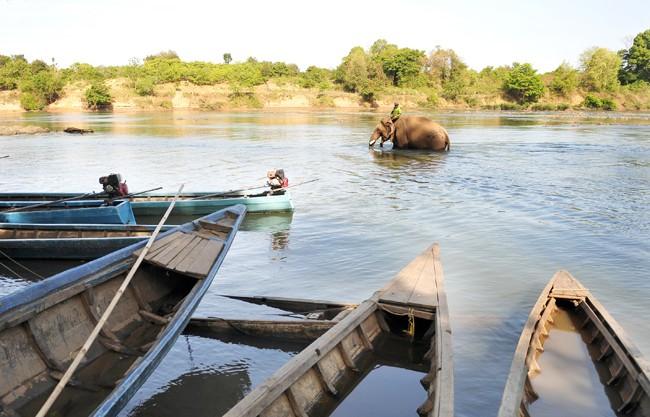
point(191, 252)
point(300, 330)
point(414, 285)
point(43, 326)
point(296, 388)
point(312, 308)
point(608, 334)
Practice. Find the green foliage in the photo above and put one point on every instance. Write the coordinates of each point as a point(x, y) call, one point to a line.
point(145, 86)
point(86, 72)
point(245, 99)
point(168, 54)
point(98, 96)
point(12, 69)
point(523, 84)
point(31, 102)
point(593, 102)
point(40, 89)
point(600, 68)
point(564, 80)
point(315, 77)
point(402, 65)
point(278, 69)
point(227, 58)
point(353, 72)
point(636, 60)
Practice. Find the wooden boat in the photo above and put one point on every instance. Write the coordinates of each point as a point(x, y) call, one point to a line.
point(316, 380)
point(188, 204)
point(72, 212)
point(68, 241)
point(620, 366)
point(43, 326)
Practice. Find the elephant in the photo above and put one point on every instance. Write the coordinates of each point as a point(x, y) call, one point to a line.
point(411, 132)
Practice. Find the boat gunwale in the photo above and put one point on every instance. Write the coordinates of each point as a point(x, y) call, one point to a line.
point(515, 384)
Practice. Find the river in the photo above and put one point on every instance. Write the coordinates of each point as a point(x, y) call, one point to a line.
point(518, 197)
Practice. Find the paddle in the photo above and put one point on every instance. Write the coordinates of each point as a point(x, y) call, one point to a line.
point(3, 157)
point(98, 327)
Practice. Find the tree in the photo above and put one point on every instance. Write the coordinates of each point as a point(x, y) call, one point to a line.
point(405, 63)
point(524, 84)
point(358, 73)
point(600, 68)
point(169, 54)
point(447, 70)
point(564, 80)
point(636, 60)
point(227, 58)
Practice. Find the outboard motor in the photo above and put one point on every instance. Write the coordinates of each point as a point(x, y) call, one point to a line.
point(114, 186)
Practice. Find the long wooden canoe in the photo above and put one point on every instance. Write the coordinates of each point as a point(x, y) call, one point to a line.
point(68, 241)
point(620, 366)
point(188, 204)
point(43, 326)
point(316, 380)
point(73, 212)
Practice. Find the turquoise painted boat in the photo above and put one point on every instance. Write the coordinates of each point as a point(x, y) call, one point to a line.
point(71, 212)
point(188, 204)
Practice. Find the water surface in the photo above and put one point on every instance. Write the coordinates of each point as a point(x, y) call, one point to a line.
point(518, 197)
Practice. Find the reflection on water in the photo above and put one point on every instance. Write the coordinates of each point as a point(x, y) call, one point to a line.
point(518, 197)
point(568, 384)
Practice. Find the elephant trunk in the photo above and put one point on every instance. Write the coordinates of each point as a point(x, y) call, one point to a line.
point(373, 138)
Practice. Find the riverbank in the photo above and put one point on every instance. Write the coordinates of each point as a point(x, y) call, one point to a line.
point(277, 95)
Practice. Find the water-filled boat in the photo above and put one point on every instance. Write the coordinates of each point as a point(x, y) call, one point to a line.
point(70, 212)
point(620, 367)
point(410, 311)
point(68, 241)
point(44, 325)
point(188, 204)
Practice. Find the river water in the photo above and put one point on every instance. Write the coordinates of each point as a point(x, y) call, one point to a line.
point(518, 197)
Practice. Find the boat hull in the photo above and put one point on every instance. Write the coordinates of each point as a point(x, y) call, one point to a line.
point(70, 213)
point(188, 204)
point(40, 306)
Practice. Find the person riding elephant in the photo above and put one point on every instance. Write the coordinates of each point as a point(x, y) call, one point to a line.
point(411, 132)
point(396, 112)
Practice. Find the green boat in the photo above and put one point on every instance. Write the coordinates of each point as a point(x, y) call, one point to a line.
point(188, 204)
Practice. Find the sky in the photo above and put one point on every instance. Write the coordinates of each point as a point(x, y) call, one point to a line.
point(496, 32)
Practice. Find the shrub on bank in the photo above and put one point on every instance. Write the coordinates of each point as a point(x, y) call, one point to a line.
point(144, 86)
point(98, 97)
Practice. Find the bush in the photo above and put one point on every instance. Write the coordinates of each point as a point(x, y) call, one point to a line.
point(31, 102)
point(592, 102)
point(244, 99)
point(98, 97)
point(523, 84)
point(608, 104)
point(144, 86)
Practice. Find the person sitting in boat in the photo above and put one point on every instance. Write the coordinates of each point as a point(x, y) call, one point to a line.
point(114, 186)
point(276, 180)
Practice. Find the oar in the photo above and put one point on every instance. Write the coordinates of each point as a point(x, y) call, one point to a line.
point(134, 194)
point(3, 157)
point(294, 185)
point(47, 203)
point(98, 327)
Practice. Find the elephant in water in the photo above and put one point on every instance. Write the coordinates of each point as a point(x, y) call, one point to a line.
point(411, 132)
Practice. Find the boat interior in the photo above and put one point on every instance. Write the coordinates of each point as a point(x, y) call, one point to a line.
point(41, 336)
point(618, 364)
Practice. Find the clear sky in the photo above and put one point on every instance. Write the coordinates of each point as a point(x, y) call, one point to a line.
point(483, 33)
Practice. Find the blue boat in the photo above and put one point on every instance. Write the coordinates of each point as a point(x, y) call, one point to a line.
point(45, 324)
point(71, 212)
point(68, 241)
point(188, 204)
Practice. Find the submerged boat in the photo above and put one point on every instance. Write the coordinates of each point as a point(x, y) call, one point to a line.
point(620, 367)
point(69, 241)
point(70, 212)
point(188, 204)
point(410, 310)
point(43, 326)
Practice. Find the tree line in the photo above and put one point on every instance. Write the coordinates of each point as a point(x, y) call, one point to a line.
point(384, 68)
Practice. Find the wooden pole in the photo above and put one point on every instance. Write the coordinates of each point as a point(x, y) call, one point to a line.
point(93, 335)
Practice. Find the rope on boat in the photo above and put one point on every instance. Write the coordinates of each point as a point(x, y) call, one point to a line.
point(411, 318)
point(21, 265)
